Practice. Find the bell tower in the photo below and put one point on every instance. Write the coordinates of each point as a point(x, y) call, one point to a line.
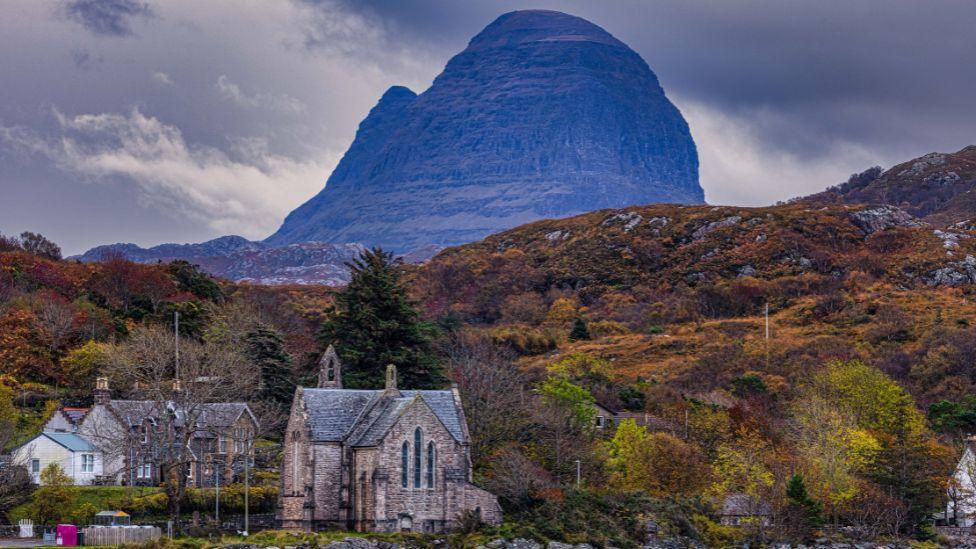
point(330, 370)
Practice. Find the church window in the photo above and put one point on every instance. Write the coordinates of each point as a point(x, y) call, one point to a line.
point(405, 464)
point(417, 450)
point(430, 464)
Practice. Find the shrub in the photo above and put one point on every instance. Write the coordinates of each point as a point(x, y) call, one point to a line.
point(524, 340)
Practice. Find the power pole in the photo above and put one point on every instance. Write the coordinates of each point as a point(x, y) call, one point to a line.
point(247, 483)
point(217, 493)
point(766, 314)
point(577, 474)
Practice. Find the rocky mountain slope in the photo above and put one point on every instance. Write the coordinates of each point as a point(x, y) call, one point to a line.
point(675, 294)
point(542, 115)
point(236, 258)
point(939, 188)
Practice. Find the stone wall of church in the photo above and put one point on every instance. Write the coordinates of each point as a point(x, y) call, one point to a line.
point(427, 508)
point(295, 470)
point(328, 480)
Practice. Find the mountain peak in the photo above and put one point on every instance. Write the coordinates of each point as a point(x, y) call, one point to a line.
point(544, 114)
point(520, 27)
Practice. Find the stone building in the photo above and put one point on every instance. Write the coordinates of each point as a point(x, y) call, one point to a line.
point(129, 435)
point(377, 460)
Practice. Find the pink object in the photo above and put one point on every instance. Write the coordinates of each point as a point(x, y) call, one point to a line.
point(68, 534)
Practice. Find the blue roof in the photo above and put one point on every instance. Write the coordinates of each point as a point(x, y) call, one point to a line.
point(72, 442)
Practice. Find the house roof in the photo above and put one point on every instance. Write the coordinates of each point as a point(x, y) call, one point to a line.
point(743, 505)
point(213, 414)
point(71, 441)
point(74, 415)
point(363, 417)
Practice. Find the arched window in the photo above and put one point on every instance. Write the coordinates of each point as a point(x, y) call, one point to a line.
point(430, 464)
point(417, 449)
point(405, 464)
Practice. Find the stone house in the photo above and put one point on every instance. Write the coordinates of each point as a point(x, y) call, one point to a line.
point(383, 460)
point(128, 432)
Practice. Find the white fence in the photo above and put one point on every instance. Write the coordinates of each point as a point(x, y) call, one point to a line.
point(117, 535)
point(26, 528)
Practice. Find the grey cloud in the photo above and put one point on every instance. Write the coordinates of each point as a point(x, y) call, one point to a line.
point(107, 17)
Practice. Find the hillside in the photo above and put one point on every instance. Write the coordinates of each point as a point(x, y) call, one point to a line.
point(937, 187)
point(238, 259)
point(543, 115)
point(676, 293)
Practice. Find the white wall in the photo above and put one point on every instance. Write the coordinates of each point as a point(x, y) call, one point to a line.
point(46, 451)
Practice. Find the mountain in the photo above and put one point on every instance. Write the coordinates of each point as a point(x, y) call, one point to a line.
point(939, 188)
point(236, 258)
point(543, 115)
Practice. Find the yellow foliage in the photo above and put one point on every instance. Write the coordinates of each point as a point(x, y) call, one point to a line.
point(561, 313)
point(579, 365)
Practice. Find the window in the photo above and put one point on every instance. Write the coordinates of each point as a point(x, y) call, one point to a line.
point(35, 466)
point(87, 463)
point(405, 464)
point(221, 444)
point(600, 422)
point(417, 449)
point(430, 464)
point(145, 434)
point(144, 469)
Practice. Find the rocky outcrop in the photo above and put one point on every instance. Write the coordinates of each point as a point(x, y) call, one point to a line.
point(543, 115)
point(872, 220)
point(939, 188)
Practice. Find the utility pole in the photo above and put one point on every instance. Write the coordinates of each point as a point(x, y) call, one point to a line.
point(766, 314)
point(577, 474)
point(247, 483)
point(217, 494)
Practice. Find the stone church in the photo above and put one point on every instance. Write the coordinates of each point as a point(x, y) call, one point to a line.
point(385, 460)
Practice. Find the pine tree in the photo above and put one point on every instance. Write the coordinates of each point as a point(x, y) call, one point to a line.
point(265, 348)
point(580, 331)
point(374, 323)
point(804, 511)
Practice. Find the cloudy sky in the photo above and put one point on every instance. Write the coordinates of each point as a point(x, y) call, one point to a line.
point(179, 120)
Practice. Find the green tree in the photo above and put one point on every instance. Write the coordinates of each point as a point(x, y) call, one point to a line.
point(374, 323)
point(577, 402)
point(264, 346)
point(54, 500)
point(82, 364)
point(803, 512)
point(580, 331)
point(191, 279)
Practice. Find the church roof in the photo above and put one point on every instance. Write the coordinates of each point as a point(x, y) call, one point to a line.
point(363, 418)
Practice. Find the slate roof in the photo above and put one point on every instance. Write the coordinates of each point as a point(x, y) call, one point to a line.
point(74, 415)
point(71, 441)
point(362, 417)
point(214, 414)
point(743, 505)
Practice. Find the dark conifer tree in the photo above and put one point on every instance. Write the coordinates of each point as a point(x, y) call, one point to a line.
point(580, 331)
point(265, 347)
point(374, 323)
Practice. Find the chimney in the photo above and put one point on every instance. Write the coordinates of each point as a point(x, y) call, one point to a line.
point(102, 393)
point(330, 370)
point(391, 380)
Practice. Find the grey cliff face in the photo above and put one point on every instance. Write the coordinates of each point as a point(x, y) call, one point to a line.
point(543, 115)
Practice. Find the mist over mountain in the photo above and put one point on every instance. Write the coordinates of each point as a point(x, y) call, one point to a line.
point(543, 115)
